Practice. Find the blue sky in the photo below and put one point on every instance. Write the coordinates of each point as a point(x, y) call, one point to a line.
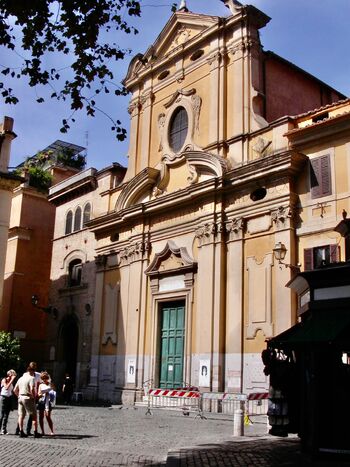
point(313, 34)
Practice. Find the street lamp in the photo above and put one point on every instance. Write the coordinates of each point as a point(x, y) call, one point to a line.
point(46, 309)
point(279, 252)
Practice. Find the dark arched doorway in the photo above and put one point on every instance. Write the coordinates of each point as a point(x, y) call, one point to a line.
point(68, 347)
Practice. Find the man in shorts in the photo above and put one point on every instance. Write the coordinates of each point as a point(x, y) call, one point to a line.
point(25, 390)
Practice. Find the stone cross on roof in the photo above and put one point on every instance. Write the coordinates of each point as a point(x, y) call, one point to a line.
point(183, 6)
point(233, 5)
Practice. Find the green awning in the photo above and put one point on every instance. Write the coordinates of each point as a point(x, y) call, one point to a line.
point(322, 327)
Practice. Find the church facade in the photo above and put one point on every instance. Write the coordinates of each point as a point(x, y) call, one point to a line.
point(221, 176)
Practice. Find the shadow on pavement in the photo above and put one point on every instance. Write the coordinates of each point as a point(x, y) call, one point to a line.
point(69, 436)
point(269, 452)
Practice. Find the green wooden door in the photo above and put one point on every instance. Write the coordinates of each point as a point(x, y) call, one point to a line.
point(172, 345)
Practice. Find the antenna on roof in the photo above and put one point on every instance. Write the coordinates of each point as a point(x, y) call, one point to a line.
point(86, 144)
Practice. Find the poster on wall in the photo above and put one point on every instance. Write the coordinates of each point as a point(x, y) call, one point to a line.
point(204, 373)
point(131, 376)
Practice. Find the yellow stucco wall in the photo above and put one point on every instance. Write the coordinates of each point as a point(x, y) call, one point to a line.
point(112, 277)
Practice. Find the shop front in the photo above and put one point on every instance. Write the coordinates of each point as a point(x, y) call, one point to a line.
point(309, 364)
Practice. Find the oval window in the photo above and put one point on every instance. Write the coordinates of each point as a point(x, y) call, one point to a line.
point(163, 75)
point(178, 129)
point(196, 55)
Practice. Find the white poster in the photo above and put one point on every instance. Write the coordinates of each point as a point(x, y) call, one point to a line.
point(204, 373)
point(131, 376)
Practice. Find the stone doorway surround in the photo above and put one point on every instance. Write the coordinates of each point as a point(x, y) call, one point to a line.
point(171, 275)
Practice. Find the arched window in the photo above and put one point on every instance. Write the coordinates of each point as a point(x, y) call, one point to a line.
point(178, 129)
point(86, 214)
point(74, 272)
point(69, 222)
point(77, 219)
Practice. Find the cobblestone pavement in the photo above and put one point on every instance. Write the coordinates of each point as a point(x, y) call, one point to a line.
point(249, 452)
point(97, 436)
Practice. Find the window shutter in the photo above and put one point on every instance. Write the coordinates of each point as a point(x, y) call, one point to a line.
point(320, 176)
point(334, 253)
point(308, 259)
point(326, 184)
point(315, 172)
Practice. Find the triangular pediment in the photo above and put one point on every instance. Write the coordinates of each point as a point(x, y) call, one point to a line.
point(182, 29)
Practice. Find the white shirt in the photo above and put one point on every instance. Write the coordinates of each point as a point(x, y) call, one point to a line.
point(7, 392)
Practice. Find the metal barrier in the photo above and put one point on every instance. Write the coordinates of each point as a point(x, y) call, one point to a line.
point(233, 402)
point(244, 408)
point(177, 399)
point(256, 405)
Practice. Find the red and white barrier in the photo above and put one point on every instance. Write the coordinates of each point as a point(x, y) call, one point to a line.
point(175, 399)
point(258, 396)
point(173, 393)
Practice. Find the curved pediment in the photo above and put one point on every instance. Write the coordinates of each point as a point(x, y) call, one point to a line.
point(172, 258)
point(201, 163)
point(138, 186)
point(201, 166)
point(173, 173)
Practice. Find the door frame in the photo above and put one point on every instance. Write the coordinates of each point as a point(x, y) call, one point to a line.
point(159, 299)
point(164, 304)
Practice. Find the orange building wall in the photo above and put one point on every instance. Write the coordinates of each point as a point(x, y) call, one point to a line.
point(290, 91)
point(31, 274)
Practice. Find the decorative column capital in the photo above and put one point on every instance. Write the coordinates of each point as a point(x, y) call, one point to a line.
point(100, 261)
point(146, 99)
point(214, 59)
point(206, 233)
point(133, 252)
point(234, 227)
point(134, 108)
point(282, 216)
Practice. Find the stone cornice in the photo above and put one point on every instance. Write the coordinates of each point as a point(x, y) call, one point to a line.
point(331, 127)
point(9, 181)
point(19, 233)
point(155, 206)
point(288, 163)
point(73, 191)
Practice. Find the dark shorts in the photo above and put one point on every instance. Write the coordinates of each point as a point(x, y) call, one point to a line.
point(41, 406)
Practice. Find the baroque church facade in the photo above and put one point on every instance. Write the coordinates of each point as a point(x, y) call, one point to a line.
point(172, 278)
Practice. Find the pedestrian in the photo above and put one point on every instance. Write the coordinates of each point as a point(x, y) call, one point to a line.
point(26, 393)
point(45, 403)
point(33, 366)
point(6, 396)
point(67, 388)
point(37, 382)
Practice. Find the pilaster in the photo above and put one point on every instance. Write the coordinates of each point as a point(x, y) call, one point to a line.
point(234, 304)
point(96, 327)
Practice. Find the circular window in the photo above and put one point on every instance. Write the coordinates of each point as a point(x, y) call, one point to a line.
point(258, 194)
point(178, 129)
